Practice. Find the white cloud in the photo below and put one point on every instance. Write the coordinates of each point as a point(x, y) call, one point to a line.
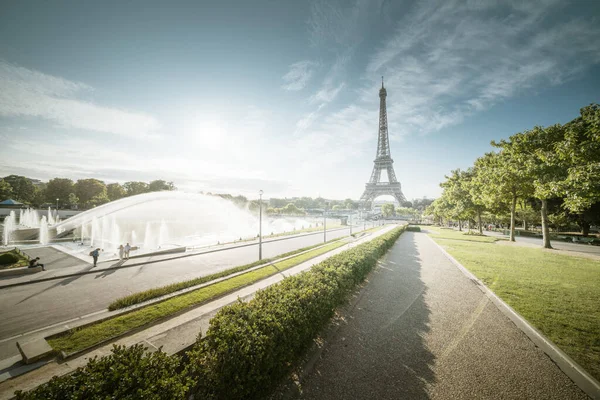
point(29, 93)
point(447, 61)
point(299, 75)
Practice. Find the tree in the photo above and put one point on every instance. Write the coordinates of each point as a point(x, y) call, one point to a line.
point(291, 209)
point(387, 210)
point(535, 151)
point(39, 196)
point(337, 207)
point(5, 190)
point(502, 181)
point(160, 185)
point(114, 191)
point(579, 153)
point(97, 200)
point(134, 188)
point(87, 189)
point(59, 188)
point(73, 200)
point(22, 188)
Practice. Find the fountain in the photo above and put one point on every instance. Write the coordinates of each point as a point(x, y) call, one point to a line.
point(43, 231)
point(9, 227)
point(50, 218)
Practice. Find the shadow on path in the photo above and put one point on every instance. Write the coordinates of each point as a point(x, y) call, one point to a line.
point(378, 350)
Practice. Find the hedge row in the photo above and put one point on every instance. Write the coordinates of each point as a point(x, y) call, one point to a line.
point(248, 348)
point(128, 373)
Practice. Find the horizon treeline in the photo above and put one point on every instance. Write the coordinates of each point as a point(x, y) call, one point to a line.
point(83, 193)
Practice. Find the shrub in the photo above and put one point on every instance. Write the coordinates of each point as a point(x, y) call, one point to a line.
point(249, 347)
point(412, 228)
point(8, 258)
point(127, 373)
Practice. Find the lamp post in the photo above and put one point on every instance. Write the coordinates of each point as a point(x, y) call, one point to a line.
point(57, 208)
point(260, 193)
point(325, 223)
point(350, 225)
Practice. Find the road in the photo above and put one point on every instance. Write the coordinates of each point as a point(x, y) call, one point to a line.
point(420, 329)
point(37, 305)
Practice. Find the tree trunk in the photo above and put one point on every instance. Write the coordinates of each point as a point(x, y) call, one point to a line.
point(525, 224)
point(479, 222)
point(545, 228)
point(512, 218)
point(460, 225)
point(585, 229)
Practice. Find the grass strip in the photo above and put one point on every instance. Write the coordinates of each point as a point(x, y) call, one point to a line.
point(78, 339)
point(150, 294)
point(557, 294)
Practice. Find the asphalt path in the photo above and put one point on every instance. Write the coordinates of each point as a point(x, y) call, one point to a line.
point(420, 329)
point(37, 305)
point(557, 244)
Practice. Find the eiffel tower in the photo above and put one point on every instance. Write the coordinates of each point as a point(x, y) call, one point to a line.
point(383, 161)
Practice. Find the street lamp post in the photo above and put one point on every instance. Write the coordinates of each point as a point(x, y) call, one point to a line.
point(57, 208)
point(325, 224)
point(350, 225)
point(260, 193)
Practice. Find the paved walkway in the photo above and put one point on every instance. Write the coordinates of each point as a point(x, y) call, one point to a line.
point(420, 329)
point(53, 258)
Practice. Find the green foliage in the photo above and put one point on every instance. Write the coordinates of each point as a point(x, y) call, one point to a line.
point(249, 347)
point(72, 200)
point(134, 188)
point(23, 189)
point(127, 373)
point(413, 228)
point(387, 210)
point(59, 188)
point(8, 258)
point(579, 152)
point(39, 196)
point(88, 189)
point(160, 185)
point(5, 190)
point(114, 191)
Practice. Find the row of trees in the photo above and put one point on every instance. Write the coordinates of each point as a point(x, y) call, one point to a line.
point(554, 171)
point(84, 193)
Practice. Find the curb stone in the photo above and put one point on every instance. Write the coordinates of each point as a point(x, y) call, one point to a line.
point(580, 376)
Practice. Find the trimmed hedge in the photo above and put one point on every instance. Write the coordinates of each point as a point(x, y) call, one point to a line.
point(250, 347)
point(413, 228)
point(8, 258)
point(127, 373)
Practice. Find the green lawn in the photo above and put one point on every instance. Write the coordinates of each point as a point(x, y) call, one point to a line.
point(558, 294)
point(79, 339)
point(441, 233)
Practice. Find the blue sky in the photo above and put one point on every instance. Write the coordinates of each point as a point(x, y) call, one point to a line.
point(237, 96)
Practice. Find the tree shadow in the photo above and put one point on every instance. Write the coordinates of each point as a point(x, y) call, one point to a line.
point(378, 351)
point(63, 282)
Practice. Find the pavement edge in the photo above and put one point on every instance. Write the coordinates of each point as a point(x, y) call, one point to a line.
point(582, 379)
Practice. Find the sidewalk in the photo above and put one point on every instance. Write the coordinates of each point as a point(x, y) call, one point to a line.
point(175, 334)
point(420, 329)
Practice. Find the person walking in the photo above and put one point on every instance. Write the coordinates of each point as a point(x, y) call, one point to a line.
point(121, 251)
point(95, 254)
point(36, 263)
point(127, 250)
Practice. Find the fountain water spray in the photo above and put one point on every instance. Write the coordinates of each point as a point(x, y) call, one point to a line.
point(44, 231)
point(9, 227)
